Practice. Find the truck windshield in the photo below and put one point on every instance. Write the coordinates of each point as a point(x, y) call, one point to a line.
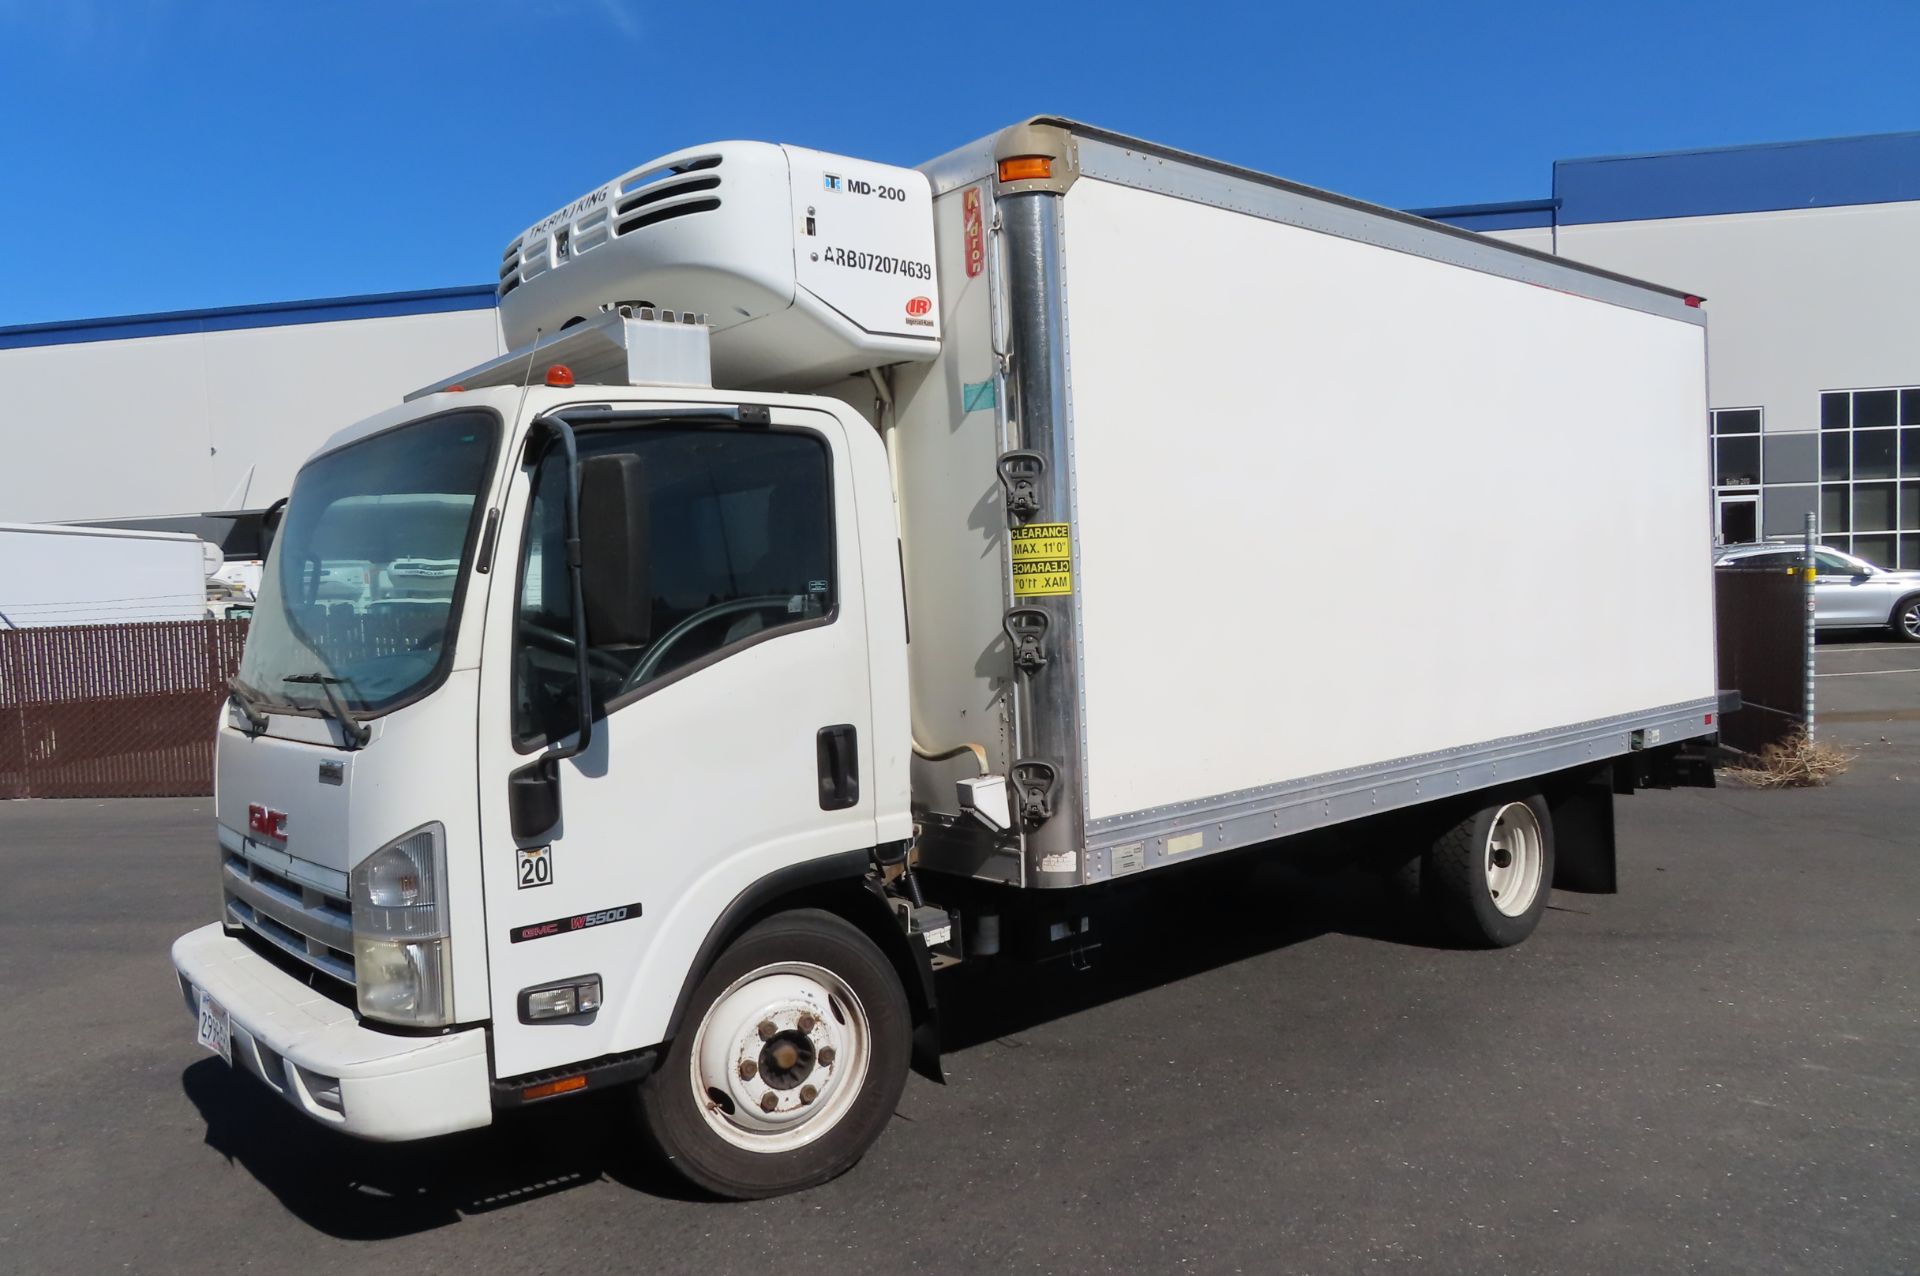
point(361, 590)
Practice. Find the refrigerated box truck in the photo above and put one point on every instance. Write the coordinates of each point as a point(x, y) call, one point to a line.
point(856, 570)
point(53, 574)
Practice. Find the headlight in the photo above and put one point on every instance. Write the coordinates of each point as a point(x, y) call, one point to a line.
point(402, 970)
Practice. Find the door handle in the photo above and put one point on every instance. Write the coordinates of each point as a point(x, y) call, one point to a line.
point(836, 749)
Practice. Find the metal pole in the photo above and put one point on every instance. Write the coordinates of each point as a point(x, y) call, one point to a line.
point(1808, 571)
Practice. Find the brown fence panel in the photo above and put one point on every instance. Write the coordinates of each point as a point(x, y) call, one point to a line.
point(113, 710)
point(1761, 615)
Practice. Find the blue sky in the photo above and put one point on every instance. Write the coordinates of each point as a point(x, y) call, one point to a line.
point(170, 154)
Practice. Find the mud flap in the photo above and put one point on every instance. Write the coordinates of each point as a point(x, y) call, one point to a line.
point(1583, 842)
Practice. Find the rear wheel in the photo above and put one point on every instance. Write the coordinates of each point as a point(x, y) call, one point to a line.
point(1906, 619)
point(794, 1065)
point(1489, 876)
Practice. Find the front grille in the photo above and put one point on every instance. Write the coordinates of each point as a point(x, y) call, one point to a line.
point(299, 920)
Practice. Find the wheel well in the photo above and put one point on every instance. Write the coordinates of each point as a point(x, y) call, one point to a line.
point(840, 885)
point(1893, 614)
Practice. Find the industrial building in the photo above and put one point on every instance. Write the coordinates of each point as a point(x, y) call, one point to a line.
point(1804, 252)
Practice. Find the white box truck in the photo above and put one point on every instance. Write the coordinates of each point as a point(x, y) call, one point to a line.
point(55, 574)
point(857, 570)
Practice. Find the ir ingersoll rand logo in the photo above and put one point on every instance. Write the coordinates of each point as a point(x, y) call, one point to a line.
point(919, 306)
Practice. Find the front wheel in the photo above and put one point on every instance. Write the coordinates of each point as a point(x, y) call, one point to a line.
point(1906, 619)
point(795, 1063)
point(1489, 876)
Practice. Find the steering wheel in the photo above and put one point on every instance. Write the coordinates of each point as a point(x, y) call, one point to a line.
point(562, 645)
point(706, 615)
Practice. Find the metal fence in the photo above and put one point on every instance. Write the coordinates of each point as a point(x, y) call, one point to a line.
point(113, 710)
point(1765, 625)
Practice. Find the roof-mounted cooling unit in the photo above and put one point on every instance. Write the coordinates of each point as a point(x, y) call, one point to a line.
point(809, 267)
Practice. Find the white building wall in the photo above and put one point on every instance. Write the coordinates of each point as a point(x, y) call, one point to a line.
point(1797, 302)
point(150, 426)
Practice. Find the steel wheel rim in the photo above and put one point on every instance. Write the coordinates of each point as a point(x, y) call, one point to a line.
point(811, 1065)
point(1513, 858)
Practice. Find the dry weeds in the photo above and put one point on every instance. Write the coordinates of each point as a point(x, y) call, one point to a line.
point(1796, 763)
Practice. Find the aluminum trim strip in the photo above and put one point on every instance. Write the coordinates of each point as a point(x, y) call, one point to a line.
point(1232, 820)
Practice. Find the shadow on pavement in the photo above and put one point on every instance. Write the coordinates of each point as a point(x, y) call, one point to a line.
point(1220, 915)
point(375, 1191)
point(367, 1191)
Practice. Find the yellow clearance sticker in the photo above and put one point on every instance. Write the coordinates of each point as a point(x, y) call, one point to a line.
point(1042, 560)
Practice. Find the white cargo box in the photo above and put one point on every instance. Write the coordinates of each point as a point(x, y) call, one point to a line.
point(1334, 510)
point(808, 266)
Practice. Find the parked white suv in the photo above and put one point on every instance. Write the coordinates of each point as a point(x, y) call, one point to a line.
point(1848, 591)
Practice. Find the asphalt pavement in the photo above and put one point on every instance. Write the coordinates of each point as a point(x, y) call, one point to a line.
point(1717, 1069)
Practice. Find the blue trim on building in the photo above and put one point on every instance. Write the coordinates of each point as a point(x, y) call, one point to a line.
point(383, 305)
point(1511, 215)
point(1825, 173)
point(1828, 173)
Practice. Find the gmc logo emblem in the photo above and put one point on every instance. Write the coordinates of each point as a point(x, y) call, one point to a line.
point(919, 306)
point(263, 823)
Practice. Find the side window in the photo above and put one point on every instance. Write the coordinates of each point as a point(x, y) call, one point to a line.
point(741, 533)
point(1831, 564)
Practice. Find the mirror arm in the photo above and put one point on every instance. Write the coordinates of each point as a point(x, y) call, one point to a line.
point(582, 671)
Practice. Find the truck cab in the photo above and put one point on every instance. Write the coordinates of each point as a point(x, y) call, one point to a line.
point(562, 674)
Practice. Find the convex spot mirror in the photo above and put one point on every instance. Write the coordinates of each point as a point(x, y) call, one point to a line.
point(614, 587)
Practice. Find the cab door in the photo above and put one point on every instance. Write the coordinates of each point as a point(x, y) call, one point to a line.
point(735, 740)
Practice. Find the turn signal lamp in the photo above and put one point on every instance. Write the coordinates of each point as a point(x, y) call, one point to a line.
point(1023, 168)
point(547, 1089)
point(560, 374)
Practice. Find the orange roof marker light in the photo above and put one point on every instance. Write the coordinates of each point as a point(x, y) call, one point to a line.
point(560, 374)
point(1023, 168)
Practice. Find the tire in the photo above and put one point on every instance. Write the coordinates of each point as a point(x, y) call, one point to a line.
point(1464, 879)
point(1905, 619)
point(821, 986)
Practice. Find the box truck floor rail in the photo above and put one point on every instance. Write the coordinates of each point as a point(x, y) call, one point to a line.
point(856, 570)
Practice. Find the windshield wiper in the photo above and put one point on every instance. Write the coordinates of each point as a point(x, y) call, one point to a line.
point(253, 702)
point(356, 731)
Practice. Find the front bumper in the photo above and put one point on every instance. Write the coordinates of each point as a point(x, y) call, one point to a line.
point(304, 1045)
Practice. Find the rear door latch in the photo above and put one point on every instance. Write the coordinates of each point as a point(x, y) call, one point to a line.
point(1027, 629)
point(1020, 474)
point(1033, 782)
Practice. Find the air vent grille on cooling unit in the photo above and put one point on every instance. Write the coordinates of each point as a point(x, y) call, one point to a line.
point(641, 198)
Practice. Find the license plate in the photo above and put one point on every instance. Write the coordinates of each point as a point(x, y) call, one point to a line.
point(216, 1031)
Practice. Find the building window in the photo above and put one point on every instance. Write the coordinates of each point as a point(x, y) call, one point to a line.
point(1736, 474)
point(1870, 473)
point(1736, 447)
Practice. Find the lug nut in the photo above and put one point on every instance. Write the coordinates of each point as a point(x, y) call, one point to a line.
point(826, 1056)
point(806, 1024)
point(749, 1069)
point(767, 1030)
point(807, 1094)
point(769, 1101)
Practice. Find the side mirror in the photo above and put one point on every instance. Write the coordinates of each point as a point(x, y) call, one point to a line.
point(616, 594)
point(270, 525)
point(533, 799)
